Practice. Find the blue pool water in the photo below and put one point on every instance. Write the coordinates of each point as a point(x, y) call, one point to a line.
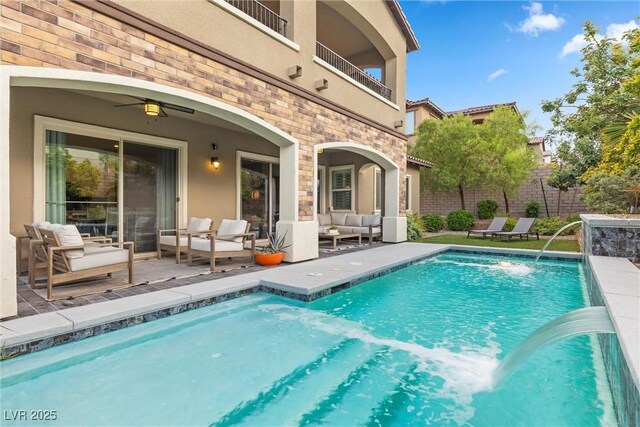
point(414, 347)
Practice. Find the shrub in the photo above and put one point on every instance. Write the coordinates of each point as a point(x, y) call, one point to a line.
point(415, 227)
point(605, 192)
point(510, 224)
point(548, 226)
point(573, 218)
point(532, 209)
point(486, 209)
point(433, 223)
point(460, 220)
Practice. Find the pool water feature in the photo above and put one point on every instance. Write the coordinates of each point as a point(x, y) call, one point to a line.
point(416, 346)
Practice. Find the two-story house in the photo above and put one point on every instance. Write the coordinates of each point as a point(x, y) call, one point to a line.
point(126, 116)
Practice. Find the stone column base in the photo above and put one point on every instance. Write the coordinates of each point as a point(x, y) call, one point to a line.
point(394, 229)
point(303, 238)
point(8, 280)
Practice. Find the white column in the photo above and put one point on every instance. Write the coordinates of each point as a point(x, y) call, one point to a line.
point(8, 291)
point(302, 236)
point(394, 226)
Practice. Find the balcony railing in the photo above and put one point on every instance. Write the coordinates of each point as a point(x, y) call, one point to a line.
point(262, 14)
point(362, 77)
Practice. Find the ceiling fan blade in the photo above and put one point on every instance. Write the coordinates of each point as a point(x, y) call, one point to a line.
point(177, 107)
point(128, 105)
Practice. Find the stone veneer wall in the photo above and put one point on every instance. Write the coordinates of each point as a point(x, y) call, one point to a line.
point(608, 236)
point(442, 203)
point(66, 34)
point(625, 394)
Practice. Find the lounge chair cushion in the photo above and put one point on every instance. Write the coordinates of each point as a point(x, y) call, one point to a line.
point(365, 230)
point(41, 224)
point(201, 244)
point(324, 219)
point(374, 220)
point(354, 220)
point(230, 227)
point(171, 241)
point(68, 235)
point(198, 224)
point(339, 218)
point(99, 257)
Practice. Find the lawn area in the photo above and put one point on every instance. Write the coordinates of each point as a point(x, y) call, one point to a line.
point(457, 239)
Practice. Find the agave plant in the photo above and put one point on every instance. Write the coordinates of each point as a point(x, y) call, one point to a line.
point(275, 244)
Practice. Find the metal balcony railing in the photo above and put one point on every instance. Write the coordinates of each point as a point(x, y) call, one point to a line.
point(362, 77)
point(262, 14)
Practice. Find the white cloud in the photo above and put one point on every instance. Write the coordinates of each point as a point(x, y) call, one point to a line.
point(614, 31)
point(496, 74)
point(538, 21)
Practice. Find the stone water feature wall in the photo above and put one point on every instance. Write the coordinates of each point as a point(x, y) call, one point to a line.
point(614, 283)
point(609, 236)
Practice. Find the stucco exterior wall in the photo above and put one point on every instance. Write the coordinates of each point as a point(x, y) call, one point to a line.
point(210, 23)
point(72, 36)
point(442, 203)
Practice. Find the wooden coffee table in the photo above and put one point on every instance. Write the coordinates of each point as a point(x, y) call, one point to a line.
point(336, 237)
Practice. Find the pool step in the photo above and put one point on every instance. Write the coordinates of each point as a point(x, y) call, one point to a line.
point(271, 406)
point(367, 396)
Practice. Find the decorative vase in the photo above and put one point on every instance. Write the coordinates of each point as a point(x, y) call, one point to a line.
point(269, 259)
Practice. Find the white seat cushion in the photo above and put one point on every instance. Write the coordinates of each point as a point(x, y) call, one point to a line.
point(344, 229)
point(68, 235)
point(200, 244)
point(198, 224)
point(41, 224)
point(354, 220)
point(365, 230)
point(338, 218)
point(99, 258)
point(229, 227)
point(171, 241)
point(374, 220)
point(324, 219)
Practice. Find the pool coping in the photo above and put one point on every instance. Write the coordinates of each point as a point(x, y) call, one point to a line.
point(303, 281)
point(619, 283)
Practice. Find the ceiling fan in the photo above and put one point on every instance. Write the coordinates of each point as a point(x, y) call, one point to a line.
point(156, 108)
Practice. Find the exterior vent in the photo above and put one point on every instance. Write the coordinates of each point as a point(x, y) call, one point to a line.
point(322, 84)
point(398, 124)
point(294, 72)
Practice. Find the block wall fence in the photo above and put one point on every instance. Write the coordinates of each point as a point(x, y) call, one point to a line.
point(441, 203)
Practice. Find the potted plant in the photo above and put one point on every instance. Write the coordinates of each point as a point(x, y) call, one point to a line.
point(273, 252)
point(333, 230)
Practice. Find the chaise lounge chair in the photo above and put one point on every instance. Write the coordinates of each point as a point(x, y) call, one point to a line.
point(521, 229)
point(227, 242)
point(495, 226)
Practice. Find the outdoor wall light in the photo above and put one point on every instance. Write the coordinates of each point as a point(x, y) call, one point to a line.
point(215, 162)
point(322, 84)
point(294, 72)
point(151, 109)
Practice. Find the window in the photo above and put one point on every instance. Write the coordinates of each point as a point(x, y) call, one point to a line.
point(378, 190)
point(407, 200)
point(410, 123)
point(341, 188)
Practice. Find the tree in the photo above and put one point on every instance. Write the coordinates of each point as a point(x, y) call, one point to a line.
point(613, 192)
point(505, 132)
point(563, 178)
point(580, 116)
point(459, 156)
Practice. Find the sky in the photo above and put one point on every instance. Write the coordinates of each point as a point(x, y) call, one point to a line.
point(486, 52)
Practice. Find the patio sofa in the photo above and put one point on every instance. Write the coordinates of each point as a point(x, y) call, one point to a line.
point(368, 225)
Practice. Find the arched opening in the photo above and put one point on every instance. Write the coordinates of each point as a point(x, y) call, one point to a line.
point(350, 174)
point(120, 148)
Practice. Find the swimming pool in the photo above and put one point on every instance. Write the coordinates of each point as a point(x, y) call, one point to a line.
point(412, 347)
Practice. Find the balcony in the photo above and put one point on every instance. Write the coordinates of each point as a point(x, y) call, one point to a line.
point(355, 73)
point(262, 14)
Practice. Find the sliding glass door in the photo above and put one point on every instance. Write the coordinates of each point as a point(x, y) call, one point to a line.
point(118, 188)
point(149, 193)
point(259, 194)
